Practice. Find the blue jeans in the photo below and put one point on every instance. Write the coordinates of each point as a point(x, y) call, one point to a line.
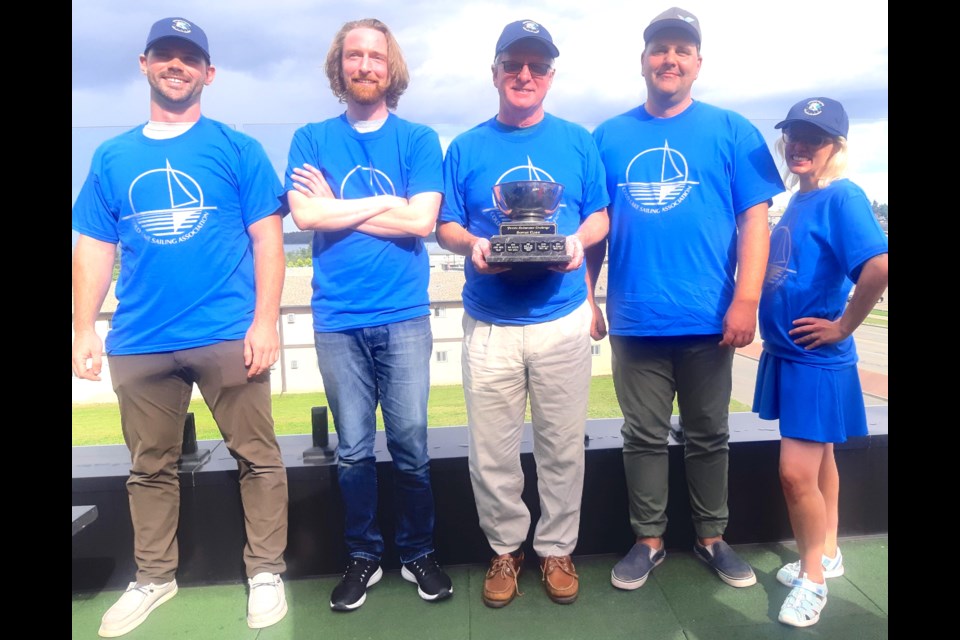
point(390, 365)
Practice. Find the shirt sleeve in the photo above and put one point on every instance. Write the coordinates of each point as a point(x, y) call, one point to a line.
point(93, 215)
point(301, 152)
point(855, 233)
point(260, 187)
point(426, 166)
point(755, 178)
point(595, 188)
point(453, 208)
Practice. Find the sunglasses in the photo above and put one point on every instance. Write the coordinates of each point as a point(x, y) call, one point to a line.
point(810, 139)
point(538, 69)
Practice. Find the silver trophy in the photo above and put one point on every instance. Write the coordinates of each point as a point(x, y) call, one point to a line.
point(527, 239)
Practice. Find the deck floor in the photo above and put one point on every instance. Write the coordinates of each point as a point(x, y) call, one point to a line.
point(682, 600)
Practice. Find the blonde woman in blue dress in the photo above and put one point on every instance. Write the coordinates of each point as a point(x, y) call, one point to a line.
point(827, 240)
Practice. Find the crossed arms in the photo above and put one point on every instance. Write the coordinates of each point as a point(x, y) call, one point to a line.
point(313, 205)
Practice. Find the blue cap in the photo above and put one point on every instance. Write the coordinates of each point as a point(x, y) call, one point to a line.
point(824, 113)
point(526, 29)
point(178, 28)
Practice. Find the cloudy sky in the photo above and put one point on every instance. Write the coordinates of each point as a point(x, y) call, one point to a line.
point(759, 58)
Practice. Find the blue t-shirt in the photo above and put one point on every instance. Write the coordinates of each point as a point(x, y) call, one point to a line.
point(816, 253)
point(362, 280)
point(491, 153)
point(179, 209)
point(676, 186)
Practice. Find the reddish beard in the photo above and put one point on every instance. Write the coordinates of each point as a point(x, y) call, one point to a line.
point(366, 93)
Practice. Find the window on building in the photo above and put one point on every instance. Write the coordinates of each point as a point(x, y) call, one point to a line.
point(441, 356)
point(595, 349)
point(291, 318)
point(439, 312)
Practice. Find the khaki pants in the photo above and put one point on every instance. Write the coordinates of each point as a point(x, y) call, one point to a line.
point(154, 393)
point(502, 364)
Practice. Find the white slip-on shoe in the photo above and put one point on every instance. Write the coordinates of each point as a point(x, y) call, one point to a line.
point(267, 603)
point(134, 606)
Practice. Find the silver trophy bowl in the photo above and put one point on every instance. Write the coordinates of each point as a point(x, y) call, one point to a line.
point(525, 237)
point(527, 199)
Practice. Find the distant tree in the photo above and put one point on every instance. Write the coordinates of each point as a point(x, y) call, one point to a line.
point(879, 210)
point(300, 258)
point(298, 237)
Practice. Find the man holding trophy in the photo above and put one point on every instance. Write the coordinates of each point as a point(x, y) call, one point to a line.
point(529, 181)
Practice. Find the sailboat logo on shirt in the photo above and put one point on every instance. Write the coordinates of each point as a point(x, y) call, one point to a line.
point(777, 270)
point(366, 181)
point(515, 174)
point(177, 216)
point(657, 180)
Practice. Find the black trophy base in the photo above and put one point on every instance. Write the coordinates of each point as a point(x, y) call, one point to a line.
point(528, 249)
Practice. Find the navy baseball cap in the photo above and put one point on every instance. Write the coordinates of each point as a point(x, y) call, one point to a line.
point(824, 113)
point(524, 29)
point(675, 18)
point(178, 28)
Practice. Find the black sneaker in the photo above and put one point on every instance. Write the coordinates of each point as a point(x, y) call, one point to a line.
point(352, 590)
point(432, 582)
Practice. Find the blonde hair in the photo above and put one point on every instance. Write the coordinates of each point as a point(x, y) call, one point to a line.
point(835, 168)
point(396, 66)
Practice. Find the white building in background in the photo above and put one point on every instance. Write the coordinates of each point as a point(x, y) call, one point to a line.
point(297, 372)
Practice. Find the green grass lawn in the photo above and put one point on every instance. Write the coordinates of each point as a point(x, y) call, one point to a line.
point(877, 318)
point(100, 423)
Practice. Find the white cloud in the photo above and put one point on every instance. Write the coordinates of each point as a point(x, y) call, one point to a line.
point(760, 57)
point(867, 158)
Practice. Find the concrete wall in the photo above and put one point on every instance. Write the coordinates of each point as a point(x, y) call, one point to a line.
point(211, 537)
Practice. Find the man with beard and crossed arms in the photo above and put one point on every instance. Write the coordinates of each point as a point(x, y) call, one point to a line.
point(369, 184)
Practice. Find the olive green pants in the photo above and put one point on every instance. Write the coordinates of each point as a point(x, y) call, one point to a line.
point(647, 374)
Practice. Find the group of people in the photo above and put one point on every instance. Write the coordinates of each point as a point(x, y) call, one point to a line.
point(676, 193)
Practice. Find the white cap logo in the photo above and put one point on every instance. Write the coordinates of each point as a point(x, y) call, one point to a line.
point(813, 108)
point(531, 26)
point(181, 25)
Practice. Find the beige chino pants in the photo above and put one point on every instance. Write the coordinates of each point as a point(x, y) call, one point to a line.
point(502, 364)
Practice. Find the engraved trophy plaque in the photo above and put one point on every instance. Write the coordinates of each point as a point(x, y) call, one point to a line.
point(527, 239)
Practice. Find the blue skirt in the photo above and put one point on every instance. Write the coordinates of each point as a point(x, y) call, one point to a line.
point(822, 405)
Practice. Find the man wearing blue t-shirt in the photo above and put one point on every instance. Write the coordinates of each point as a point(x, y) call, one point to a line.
point(526, 333)
point(369, 184)
point(689, 185)
point(193, 205)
